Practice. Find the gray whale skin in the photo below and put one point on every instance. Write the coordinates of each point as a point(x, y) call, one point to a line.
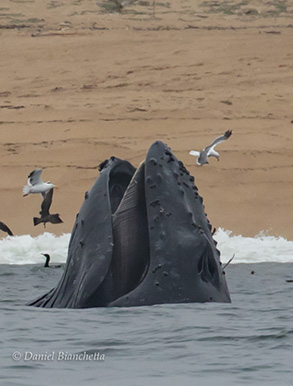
point(141, 238)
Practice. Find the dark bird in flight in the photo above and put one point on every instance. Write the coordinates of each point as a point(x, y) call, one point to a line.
point(209, 151)
point(45, 214)
point(4, 228)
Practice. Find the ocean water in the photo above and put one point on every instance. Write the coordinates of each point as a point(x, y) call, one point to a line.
point(248, 342)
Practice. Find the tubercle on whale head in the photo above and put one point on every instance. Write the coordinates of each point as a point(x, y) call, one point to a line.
point(189, 182)
point(103, 165)
point(107, 163)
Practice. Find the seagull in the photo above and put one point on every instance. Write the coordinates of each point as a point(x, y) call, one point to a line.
point(45, 215)
point(47, 256)
point(209, 151)
point(4, 228)
point(36, 185)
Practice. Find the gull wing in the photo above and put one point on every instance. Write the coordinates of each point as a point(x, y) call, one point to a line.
point(34, 178)
point(218, 140)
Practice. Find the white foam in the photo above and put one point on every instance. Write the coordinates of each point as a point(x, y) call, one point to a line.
point(258, 249)
point(261, 248)
point(27, 249)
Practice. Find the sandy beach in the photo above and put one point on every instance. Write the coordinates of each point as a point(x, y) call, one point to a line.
point(83, 81)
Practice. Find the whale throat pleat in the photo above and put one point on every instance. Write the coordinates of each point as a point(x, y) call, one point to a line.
point(130, 237)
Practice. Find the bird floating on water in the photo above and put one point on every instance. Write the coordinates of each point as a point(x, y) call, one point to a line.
point(209, 151)
point(45, 214)
point(47, 256)
point(36, 185)
point(4, 228)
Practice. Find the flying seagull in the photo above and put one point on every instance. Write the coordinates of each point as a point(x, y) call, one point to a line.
point(209, 151)
point(45, 214)
point(4, 228)
point(36, 185)
point(47, 256)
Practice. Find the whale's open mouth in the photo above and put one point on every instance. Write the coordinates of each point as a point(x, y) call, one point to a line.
point(130, 237)
point(141, 238)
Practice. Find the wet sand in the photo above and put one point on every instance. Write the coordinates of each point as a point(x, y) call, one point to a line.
point(80, 84)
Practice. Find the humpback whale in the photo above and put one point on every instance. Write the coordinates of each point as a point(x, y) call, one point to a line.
point(141, 238)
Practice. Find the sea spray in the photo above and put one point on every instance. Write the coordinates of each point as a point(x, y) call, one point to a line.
point(26, 249)
point(261, 248)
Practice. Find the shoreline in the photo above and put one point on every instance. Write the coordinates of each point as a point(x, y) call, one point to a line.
point(80, 85)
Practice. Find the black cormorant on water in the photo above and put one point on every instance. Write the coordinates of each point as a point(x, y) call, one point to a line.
point(47, 256)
